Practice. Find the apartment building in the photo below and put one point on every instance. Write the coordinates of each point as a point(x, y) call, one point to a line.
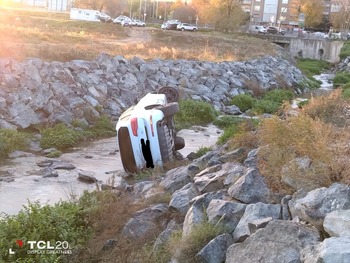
point(286, 12)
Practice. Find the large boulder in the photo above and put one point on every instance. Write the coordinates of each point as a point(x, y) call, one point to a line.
point(331, 250)
point(147, 222)
point(250, 188)
point(252, 217)
point(280, 241)
point(337, 223)
point(315, 205)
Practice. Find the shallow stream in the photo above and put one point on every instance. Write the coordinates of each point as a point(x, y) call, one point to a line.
point(23, 183)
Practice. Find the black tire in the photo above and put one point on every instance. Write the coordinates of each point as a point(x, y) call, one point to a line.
point(194, 29)
point(170, 109)
point(172, 94)
point(165, 143)
point(179, 143)
point(126, 153)
point(182, 29)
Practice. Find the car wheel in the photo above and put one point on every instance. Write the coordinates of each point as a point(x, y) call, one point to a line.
point(172, 94)
point(179, 143)
point(194, 29)
point(182, 29)
point(170, 109)
point(165, 142)
point(126, 152)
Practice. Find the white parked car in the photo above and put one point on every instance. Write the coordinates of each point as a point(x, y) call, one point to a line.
point(185, 26)
point(105, 18)
point(120, 19)
point(146, 132)
point(138, 23)
point(127, 22)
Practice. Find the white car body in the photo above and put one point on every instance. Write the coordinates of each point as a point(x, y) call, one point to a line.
point(186, 26)
point(257, 29)
point(147, 124)
point(119, 19)
point(138, 23)
point(127, 22)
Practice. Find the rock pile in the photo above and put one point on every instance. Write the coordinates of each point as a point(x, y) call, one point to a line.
point(34, 91)
point(260, 226)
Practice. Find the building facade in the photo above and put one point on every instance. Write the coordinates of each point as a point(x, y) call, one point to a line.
point(284, 12)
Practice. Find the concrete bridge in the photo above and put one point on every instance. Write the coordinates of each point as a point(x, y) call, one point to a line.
point(307, 47)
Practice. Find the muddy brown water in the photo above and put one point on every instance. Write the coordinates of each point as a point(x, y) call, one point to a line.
point(101, 157)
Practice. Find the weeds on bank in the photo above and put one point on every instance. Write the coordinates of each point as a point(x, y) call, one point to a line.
point(63, 222)
point(345, 50)
point(61, 136)
point(11, 140)
point(194, 112)
point(315, 133)
point(185, 248)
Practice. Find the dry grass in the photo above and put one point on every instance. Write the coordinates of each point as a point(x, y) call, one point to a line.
point(313, 134)
point(55, 37)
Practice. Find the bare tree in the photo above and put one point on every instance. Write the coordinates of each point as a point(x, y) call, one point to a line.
point(341, 18)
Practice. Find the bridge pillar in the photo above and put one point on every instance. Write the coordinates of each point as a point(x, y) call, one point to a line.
point(316, 49)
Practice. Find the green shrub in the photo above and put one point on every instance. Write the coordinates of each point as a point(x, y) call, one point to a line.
point(311, 67)
point(266, 106)
point(202, 150)
point(346, 86)
point(310, 83)
point(62, 222)
point(346, 94)
point(345, 50)
point(243, 101)
point(60, 137)
point(279, 95)
point(11, 140)
point(226, 121)
point(194, 112)
point(103, 127)
point(341, 78)
point(239, 126)
point(272, 101)
point(229, 132)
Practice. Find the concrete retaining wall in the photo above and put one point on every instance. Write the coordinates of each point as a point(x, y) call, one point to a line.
point(316, 49)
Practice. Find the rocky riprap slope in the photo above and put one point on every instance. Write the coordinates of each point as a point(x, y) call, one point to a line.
point(34, 91)
point(261, 226)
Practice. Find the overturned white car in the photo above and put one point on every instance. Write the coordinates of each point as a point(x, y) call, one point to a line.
point(146, 132)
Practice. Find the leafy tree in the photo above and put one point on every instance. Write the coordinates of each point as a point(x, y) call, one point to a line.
point(313, 11)
point(225, 15)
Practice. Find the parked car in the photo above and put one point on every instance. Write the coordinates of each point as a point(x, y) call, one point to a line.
point(126, 22)
point(172, 24)
point(333, 36)
point(318, 34)
point(146, 132)
point(138, 23)
point(185, 26)
point(275, 30)
point(259, 29)
point(119, 19)
point(105, 18)
point(164, 26)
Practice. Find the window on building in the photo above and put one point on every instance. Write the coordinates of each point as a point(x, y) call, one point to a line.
point(284, 1)
point(257, 8)
point(257, 0)
point(284, 10)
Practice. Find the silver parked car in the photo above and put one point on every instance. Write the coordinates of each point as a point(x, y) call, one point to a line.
point(186, 26)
